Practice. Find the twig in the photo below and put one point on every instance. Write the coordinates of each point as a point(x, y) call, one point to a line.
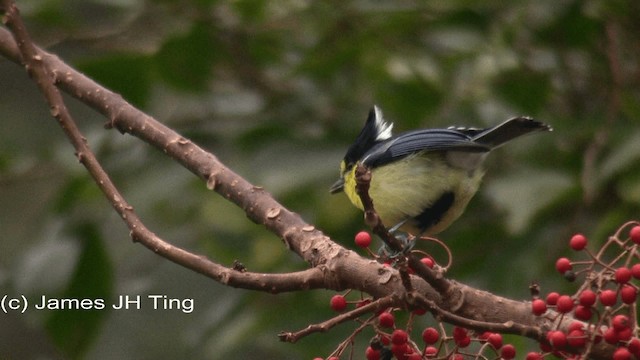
point(373, 306)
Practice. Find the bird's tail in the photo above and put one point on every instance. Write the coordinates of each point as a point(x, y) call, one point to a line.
point(509, 130)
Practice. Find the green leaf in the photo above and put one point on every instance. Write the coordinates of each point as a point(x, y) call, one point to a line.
point(186, 61)
point(623, 156)
point(629, 189)
point(251, 11)
point(127, 74)
point(573, 28)
point(77, 189)
point(412, 100)
point(524, 88)
point(523, 194)
point(74, 330)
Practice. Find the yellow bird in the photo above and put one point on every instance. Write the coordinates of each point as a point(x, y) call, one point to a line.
point(422, 180)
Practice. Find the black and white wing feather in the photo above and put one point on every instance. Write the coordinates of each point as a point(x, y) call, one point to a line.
point(419, 141)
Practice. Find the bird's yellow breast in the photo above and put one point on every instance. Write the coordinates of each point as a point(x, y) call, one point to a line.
point(403, 189)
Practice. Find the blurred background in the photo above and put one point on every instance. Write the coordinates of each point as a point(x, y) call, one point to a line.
point(278, 90)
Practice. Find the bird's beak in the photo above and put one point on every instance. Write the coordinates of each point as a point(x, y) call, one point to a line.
point(337, 186)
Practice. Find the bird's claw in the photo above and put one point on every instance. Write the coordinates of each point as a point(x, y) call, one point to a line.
point(408, 242)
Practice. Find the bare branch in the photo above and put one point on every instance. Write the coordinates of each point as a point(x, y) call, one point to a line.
point(371, 307)
point(32, 60)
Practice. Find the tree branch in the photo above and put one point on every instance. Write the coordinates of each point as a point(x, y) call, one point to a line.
point(371, 307)
point(32, 61)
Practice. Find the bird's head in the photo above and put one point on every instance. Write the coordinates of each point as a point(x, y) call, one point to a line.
point(375, 130)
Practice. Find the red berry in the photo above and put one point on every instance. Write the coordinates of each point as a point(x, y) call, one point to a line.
point(534, 356)
point(495, 340)
point(372, 354)
point(430, 351)
point(338, 303)
point(634, 234)
point(459, 333)
point(545, 346)
point(414, 356)
point(419, 311)
point(461, 337)
point(608, 297)
point(563, 265)
point(628, 294)
point(583, 313)
point(508, 352)
point(430, 336)
point(634, 346)
point(552, 298)
point(427, 261)
point(587, 298)
point(622, 275)
point(635, 271)
point(576, 338)
point(557, 339)
point(565, 304)
point(386, 319)
point(576, 325)
point(625, 334)
point(620, 322)
point(610, 336)
point(400, 350)
point(578, 242)
point(622, 354)
point(538, 307)
point(363, 239)
point(399, 337)
point(463, 342)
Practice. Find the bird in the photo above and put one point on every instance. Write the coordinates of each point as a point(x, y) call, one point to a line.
point(422, 180)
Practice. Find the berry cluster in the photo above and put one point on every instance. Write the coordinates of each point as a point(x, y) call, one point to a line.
point(393, 341)
point(602, 310)
point(437, 345)
point(604, 306)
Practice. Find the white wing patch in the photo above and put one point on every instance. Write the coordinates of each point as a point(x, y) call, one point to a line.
point(383, 128)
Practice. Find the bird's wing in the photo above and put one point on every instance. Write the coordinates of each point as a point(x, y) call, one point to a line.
point(421, 140)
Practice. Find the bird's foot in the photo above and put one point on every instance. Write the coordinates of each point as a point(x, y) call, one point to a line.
point(407, 240)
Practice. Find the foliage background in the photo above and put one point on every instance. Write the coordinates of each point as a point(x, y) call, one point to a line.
point(278, 90)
